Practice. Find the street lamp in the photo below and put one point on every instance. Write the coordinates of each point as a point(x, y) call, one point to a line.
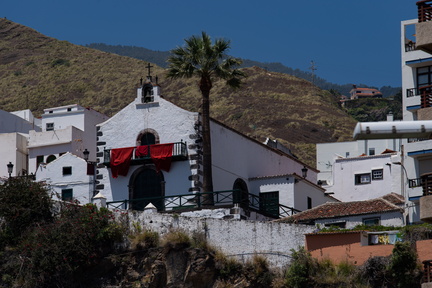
point(86, 157)
point(304, 172)
point(10, 168)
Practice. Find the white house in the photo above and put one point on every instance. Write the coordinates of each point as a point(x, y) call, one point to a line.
point(68, 177)
point(174, 165)
point(386, 210)
point(14, 129)
point(70, 128)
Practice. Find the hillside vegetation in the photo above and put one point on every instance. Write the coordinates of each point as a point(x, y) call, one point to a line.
point(38, 72)
point(160, 57)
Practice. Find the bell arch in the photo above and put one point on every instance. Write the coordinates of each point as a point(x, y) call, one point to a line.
point(147, 137)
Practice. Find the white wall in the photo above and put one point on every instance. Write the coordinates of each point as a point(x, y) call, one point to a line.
point(172, 124)
point(13, 149)
point(79, 181)
point(386, 219)
point(241, 239)
point(344, 171)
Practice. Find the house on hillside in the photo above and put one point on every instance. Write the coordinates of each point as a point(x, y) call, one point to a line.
point(69, 128)
point(152, 149)
point(387, 211)
point(69, 177)
point(14, 130)
point(359, 93)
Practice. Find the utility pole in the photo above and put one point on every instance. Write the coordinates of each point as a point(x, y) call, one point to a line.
point(313, 68)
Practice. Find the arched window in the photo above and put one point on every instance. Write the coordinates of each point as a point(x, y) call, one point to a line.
point(146, 186)
point(147, 137)
point(241, 193)
point(50, 158)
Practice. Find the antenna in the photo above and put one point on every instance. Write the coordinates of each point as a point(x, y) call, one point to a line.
point(313, 68)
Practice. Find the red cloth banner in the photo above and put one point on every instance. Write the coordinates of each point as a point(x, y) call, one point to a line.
point(142, 151)
point(161, 155)
point(120, 161)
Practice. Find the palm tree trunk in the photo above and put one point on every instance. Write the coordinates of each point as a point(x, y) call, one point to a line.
point(205, 87)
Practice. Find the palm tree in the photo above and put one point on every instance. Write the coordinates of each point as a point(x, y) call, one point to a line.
point(207, 61)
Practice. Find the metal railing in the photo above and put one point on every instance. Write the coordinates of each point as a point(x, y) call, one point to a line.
point(410, 46)
point(426, 96)
point(411, 92)
point(427, 271)
point(426, 183)
point(179, 150)
point(196, 201)
point(424, 10)
point(416, 182)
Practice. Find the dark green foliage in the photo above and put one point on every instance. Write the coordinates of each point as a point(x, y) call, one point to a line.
point(374, 271)
point(60, 62)
point(22, 204)
point(404, 268)
point(302, 267)
point(374, 109)
point(53, 254)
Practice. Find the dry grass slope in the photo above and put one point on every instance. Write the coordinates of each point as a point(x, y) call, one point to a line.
point(38, 72)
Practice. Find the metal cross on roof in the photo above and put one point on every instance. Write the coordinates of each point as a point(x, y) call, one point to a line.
point(149, 67)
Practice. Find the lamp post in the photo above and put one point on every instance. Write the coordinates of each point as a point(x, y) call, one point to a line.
point(86, 157)
point(10, 169)
point(304, 172)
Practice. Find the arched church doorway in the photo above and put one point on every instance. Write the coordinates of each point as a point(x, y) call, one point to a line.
point(148, 185)
point(241, 193)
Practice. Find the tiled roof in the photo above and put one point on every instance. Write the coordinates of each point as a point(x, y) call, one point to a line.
point(387, 203)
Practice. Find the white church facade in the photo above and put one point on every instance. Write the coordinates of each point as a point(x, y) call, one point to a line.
point(152, 148)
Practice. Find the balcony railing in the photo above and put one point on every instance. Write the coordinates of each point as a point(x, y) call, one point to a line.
point(411, 92)
point(427, 271)
point(426, 181)
point(413, 183)
point(410, 46)
point(179, 152)
point(424, 10)
point(228, 198)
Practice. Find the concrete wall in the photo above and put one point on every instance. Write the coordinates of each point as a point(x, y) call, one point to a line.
point(13, 149)
point(242, 238)
point(344, 171)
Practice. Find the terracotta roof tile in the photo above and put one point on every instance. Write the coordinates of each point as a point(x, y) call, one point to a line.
point(387, 203)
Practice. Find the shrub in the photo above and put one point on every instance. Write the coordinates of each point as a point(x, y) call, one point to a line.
point(56, 252)
point(404, 267)
point(301, 268)
point(176, 239)
point(144, 240)
point(23, 203)
point(227, 267)
point(374, 271)
point(60, 62)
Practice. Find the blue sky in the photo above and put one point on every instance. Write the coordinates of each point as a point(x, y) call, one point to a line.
point(350, 41)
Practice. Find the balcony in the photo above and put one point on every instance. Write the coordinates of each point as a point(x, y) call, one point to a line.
point(426, 200)
point(179, 153)
point(424, 26)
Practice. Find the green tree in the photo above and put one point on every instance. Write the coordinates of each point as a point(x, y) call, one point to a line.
point(23, 203)
point(207, 61)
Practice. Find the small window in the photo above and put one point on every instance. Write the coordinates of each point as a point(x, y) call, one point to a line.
point(362, 178)
point(51, 158)
point(67, 194)
point(49, 126)
point(309, 203)
point(39, 160)
point(336, 224)
point(371, 151)
point(347, 154)
point(371, 221)
point(67, 170)
point(377, 174)
point(69, 109)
